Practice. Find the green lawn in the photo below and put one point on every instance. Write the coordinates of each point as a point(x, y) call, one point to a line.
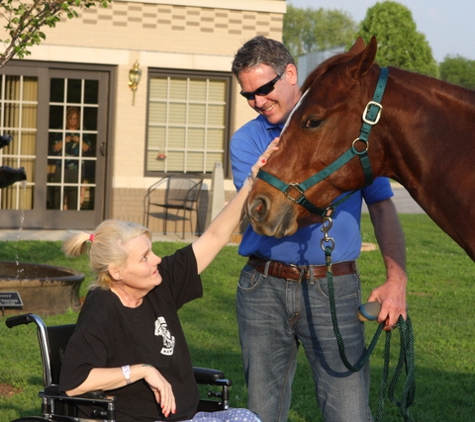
point(441, 295)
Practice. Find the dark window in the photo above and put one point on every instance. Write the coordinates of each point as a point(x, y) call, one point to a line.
point(188, 121)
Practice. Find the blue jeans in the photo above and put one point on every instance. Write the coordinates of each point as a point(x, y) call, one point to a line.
point(274, 317)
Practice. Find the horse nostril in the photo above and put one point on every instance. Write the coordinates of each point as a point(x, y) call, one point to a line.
point(258, 209)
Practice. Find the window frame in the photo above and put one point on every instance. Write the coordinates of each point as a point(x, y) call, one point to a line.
point(193, 74)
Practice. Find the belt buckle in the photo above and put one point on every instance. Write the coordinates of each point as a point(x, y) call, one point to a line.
point(302, 272)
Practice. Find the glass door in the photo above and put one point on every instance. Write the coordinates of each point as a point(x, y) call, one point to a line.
point(72, 144)
point(75, 161)
point(58, 120)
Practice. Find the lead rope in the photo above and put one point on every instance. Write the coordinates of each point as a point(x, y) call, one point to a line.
point(406, 354)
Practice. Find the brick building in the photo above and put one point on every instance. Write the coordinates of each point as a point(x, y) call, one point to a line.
point(179, 119)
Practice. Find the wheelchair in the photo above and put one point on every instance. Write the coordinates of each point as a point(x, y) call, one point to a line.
point(59, 407)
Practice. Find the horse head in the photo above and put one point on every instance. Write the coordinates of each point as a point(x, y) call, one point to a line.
point(321, 127)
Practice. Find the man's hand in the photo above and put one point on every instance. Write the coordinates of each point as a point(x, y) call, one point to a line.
point(392, 296)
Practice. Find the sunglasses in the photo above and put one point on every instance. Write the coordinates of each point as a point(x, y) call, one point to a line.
point(262, 90)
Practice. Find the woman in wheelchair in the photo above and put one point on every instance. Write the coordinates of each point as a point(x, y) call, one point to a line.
point(128, 339)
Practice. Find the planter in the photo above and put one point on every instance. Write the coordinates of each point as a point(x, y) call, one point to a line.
point(43, 289)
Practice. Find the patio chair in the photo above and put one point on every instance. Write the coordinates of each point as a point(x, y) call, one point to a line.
point(181, 193)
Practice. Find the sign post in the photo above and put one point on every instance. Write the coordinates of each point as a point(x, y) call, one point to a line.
point(10, 300)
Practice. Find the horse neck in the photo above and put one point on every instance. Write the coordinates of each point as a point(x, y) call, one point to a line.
point(427, 140)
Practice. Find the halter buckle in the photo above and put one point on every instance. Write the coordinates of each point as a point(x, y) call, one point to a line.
point(300, 193)
point(366, 111)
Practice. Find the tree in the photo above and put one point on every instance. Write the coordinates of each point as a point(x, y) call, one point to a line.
point(458, 70)
point(399, 42)
point(23, 20)
point(308, 30)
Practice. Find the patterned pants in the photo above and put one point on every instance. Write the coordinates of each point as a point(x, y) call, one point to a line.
point(230, 415)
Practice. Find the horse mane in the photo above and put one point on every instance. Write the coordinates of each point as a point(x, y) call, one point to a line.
point(324, 67)
point(437, 84)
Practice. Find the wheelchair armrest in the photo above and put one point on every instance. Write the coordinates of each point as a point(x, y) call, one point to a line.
point(93, 395)
point(96, 396)
point(210, 376)
point(105, 404)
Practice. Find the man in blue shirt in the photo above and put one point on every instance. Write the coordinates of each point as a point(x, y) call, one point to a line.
point(282, 297)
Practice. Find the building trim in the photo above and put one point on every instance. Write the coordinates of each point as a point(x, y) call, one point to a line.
point(266, 6)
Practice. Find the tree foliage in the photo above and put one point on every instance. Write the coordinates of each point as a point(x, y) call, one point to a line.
point(458, 70)
point(308, 30)
point(23, 21)
point(399, 42)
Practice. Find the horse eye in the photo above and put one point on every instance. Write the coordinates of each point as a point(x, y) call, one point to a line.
point(312, 123)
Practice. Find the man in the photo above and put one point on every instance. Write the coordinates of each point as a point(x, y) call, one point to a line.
point(276, 314)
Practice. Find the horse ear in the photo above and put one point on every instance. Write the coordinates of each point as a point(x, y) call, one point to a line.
point(364, 59)
point(357, 47)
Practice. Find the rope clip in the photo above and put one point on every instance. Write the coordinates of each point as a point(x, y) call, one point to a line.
point(327, 241)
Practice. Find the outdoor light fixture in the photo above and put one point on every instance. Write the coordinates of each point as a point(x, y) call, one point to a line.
point(134, 78)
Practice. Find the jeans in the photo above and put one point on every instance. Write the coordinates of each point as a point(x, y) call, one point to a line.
point(274, 317)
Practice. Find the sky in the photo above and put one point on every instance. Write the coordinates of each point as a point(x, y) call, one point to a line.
point(449, 26)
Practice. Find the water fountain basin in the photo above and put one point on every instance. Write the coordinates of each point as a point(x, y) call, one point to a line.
point(43, 289)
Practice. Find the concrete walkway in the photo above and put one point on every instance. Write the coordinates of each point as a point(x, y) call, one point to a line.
point(403, 201)
point(59, 235)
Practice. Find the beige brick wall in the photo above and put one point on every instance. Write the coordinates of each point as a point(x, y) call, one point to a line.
point(129, 205)
point(165, 28)
point(194, 34)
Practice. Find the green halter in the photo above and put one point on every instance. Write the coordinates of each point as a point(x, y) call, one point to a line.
point(295, 192)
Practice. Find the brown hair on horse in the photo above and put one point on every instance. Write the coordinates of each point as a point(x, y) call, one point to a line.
point(425, 139)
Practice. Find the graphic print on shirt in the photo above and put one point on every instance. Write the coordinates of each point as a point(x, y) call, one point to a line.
point(161, 329)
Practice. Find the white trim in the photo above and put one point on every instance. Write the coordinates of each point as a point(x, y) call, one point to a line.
point(269, 6)
point(72, 54)
point(108, 56)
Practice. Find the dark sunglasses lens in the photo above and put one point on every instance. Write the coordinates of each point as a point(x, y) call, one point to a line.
point(263, 90)
point(248, 95)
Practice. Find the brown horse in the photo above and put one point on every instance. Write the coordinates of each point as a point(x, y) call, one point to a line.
point(425, 139)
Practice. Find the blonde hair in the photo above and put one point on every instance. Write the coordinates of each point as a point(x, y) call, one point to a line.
point(107, 246)
point(73, 110)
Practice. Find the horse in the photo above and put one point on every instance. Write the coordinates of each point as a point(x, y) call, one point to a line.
point(420, 132)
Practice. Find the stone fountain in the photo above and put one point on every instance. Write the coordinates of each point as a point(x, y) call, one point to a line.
point(36, 288)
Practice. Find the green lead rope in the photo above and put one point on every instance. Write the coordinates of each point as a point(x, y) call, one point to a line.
point(406, 355)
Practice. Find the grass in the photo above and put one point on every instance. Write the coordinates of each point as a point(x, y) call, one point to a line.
point(441, 294)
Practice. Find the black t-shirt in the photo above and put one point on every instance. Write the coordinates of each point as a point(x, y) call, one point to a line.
point(110, 335)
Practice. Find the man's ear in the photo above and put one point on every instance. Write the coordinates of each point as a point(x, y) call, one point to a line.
point(291, 74)
point(114, 272)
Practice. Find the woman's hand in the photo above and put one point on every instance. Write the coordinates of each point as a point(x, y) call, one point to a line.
point(262, 161)
point(162, 390)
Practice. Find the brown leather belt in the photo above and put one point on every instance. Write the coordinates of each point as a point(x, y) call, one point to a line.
point(297, 274)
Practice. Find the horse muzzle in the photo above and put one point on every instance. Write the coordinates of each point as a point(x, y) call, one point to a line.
point(277, 221)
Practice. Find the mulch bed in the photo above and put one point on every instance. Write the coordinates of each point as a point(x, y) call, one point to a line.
point(7, 390)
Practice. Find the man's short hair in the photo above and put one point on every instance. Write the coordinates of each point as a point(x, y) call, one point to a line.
point(262, 50)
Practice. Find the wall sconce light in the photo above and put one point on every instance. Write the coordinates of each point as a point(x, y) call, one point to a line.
point(134, 78)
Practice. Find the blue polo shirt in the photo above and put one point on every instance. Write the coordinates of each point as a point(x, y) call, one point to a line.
point(303, 247)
